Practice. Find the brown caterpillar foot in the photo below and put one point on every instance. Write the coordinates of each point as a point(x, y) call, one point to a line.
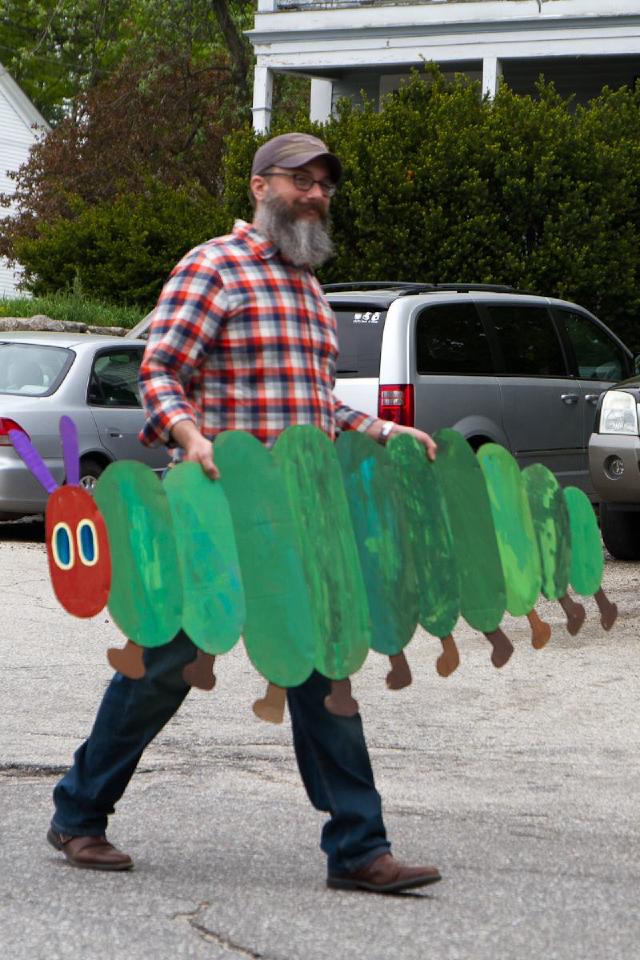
point(540, 630)
point(449, 659)
point(575, 613)
point(271, 707)
point(400, 674)
point(127, 660)
point(339, 701)
point(608, 610)
point(502, 647)
point(199, 673)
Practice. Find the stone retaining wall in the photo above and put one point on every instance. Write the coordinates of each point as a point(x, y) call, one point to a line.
point(42, 322)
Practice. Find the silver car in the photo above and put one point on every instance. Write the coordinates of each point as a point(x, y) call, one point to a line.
point(614, 459)
point(92, 379)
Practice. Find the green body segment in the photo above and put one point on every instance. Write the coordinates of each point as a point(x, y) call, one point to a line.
point(429, 535)
point(587, 558)
point(328, 548)
point(513, 524)
point(213, 607)
point(551, 524)
point(482, 585)
point(146, 587)
point(381, 534)
point(278, 632)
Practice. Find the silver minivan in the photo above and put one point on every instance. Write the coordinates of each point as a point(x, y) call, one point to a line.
point(497, 365)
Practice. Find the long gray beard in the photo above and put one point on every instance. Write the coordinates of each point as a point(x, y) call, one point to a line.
point(305, 243)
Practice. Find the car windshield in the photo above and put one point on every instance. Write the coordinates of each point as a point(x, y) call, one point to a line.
point(31, 369)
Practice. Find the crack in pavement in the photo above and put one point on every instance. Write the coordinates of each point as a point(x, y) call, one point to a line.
point(8, 771)
point(210, 936)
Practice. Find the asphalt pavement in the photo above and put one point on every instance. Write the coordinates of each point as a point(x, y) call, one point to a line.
point(521, 784)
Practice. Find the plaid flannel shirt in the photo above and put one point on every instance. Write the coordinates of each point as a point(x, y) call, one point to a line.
point(241, 339)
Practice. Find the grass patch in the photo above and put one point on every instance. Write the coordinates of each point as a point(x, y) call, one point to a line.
point(70, 306)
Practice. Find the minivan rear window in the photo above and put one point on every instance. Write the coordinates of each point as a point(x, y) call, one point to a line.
point(450, 338)
point(359, 341)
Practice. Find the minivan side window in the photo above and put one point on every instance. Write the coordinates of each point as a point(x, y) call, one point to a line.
point(527, 341)
point(597, 356)
point(450, 338)
point(114, 379)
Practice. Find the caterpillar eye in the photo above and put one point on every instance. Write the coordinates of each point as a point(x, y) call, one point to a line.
point(87, 538)
point(62, 546)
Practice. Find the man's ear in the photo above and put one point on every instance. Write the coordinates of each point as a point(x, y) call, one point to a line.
point(258, 186)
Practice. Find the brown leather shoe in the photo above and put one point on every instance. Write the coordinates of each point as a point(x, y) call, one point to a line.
point(89, 853)
point(385, 875)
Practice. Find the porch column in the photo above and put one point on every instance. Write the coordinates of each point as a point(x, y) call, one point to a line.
point(321, 100)
point(262, 99)
point(491, 73)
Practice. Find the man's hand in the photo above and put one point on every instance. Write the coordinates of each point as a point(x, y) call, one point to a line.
point(425, 439)
point(197, 449)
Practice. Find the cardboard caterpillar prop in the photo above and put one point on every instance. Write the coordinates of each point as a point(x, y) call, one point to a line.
point(316, 553)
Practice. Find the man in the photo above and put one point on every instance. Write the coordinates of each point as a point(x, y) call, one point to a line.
point(243, 338)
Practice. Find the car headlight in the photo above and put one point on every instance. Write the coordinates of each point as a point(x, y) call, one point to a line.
point(619, 413)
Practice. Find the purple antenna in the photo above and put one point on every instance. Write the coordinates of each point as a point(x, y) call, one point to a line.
point(32, 459)
point(70, 451)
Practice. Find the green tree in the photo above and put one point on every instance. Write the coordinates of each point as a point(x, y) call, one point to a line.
point(138, 91)
point(169, 79)
point(57, 50)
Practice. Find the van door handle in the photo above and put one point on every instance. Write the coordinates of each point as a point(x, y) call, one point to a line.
point(114, 433)
point(569, 398)
point(592, 397)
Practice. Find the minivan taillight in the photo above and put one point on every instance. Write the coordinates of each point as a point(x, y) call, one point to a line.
point(395, 402)
point(5, 426)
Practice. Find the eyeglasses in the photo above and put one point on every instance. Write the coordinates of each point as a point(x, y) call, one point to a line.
point(305, 182)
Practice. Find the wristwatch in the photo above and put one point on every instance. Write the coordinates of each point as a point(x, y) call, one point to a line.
point(387, 427)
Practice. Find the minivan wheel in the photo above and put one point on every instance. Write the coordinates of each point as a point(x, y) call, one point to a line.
point(90, 470)
point(476, 442)
point(620, 531)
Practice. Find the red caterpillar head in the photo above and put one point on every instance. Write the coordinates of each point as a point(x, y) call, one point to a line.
point(77, 541)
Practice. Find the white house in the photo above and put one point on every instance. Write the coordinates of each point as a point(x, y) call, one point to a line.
point(347, 46)
point(20, 125)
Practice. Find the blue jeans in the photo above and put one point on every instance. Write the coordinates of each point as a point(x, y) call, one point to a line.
point(331, 751)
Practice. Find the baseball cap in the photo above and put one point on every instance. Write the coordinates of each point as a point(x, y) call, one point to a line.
point(294, 150)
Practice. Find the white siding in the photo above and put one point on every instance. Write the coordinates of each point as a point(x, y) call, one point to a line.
point(9, 279)
point(17, 134)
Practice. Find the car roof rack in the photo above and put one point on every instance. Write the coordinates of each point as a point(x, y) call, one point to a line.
point(470, 287)
point(402, 285)
point(405, 288)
